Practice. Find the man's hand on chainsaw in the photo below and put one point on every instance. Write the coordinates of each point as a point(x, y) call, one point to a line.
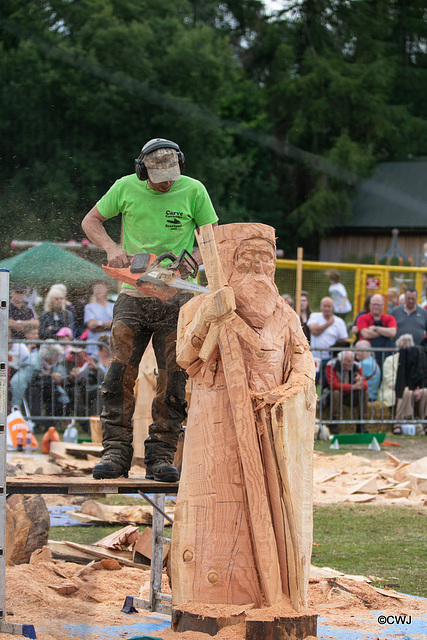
point(118, 258)
point(219, 304)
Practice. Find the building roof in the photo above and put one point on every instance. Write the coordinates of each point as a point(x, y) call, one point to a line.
point(395, 196)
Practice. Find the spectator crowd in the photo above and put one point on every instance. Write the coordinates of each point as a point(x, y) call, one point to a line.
point(378, 357)
point(59, 356)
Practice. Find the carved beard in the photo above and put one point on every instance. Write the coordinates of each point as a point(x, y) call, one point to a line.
point(256, 298)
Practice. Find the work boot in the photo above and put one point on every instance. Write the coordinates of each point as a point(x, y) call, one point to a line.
point(162, 471)
point(108, 469)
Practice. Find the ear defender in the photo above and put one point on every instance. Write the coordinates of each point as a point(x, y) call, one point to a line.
point(152, 145)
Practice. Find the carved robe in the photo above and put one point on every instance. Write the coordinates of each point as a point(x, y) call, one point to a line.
point(213, 557)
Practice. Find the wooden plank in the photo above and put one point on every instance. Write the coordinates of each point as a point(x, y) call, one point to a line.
point(121, 556)
point(61, 551)
point(86, 484)
point(75, 449)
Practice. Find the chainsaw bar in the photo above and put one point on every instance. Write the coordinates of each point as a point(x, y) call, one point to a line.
point(162, 277)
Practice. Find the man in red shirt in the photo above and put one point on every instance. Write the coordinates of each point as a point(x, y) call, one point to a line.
point(377, 327)
point(346, 386)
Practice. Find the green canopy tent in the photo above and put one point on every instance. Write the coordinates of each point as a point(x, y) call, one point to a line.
point(46, 264)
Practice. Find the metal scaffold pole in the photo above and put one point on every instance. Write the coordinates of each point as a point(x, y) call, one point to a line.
point(26, 630)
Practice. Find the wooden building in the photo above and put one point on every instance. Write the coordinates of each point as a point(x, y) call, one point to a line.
point(395, 197)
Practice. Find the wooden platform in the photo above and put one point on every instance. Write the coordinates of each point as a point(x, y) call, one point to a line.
point(82, 485)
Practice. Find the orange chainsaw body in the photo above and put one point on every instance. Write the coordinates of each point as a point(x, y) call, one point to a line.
point(124, 274)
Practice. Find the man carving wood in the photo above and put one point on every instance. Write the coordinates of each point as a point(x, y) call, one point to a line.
point(243, 524)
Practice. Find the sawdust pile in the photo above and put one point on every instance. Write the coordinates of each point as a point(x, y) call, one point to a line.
point(32, 596)
point(354, 479)
point(94, 597)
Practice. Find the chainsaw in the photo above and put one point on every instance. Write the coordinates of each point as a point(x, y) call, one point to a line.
point(146, 274)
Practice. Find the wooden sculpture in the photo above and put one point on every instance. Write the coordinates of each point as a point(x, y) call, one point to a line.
point(242, 533)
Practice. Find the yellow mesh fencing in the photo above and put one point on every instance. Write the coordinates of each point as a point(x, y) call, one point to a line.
point(360, 280)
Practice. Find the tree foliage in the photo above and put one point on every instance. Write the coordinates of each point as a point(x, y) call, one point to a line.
point(280, 116)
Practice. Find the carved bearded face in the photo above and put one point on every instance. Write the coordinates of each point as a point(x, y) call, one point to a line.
point(252, 279)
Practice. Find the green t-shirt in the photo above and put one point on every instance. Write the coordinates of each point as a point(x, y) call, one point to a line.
point(155, 222)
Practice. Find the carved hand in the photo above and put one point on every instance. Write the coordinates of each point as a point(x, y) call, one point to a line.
point(219, 304)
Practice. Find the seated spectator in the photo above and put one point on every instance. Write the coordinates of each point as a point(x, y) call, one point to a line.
point(338, 293)
point(41, 382)
point(410, 317)
point(21, 316)
point(55, 315)
point(386, 392)
point(98, 315)
point(326, 329)
point(378, 328)
point(95, 373)
point(410, 387)
point(370, 368)
point(305, 312)
point(85, 376)
point(76, 361)
point(347, 387)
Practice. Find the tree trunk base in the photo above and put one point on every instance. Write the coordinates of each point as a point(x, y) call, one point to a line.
point(185, 621)
point(292, 628)
point(295, 627)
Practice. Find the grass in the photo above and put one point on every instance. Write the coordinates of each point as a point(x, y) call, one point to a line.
point(376, 540)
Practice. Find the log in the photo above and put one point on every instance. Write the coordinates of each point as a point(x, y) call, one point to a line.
point(94, 511)
point(27, 526)
point(211, 624)
point(273, 626)
point(292, 628)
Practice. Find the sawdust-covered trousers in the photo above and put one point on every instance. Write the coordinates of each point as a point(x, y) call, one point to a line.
point(135, 321)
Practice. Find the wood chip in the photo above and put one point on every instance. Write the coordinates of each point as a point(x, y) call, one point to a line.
point(388, 593)
point(64, 589)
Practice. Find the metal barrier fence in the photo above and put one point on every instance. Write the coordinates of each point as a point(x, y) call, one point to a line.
point(56, 381)
point(345, 399)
